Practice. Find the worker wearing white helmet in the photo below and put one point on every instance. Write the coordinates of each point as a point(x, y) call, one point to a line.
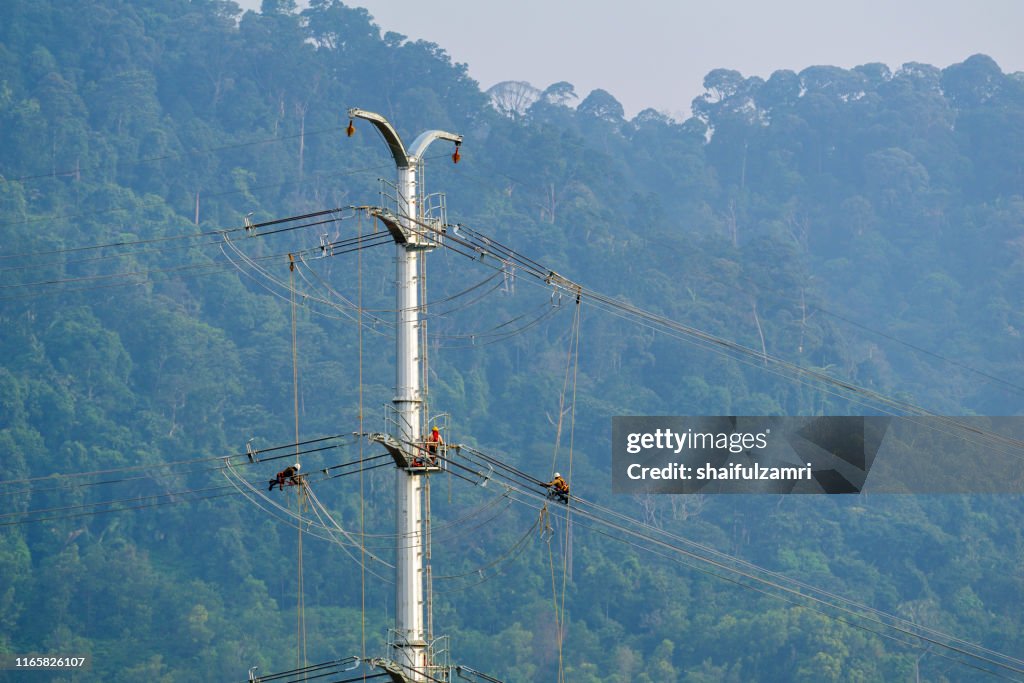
point(289, 474)
point(559, 488)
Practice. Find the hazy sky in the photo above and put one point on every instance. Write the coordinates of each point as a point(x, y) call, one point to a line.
point(655, 53)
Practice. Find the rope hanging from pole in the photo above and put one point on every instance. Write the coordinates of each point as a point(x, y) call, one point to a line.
point(362, 494)
point(566, 546)
point(300, 616)
point(571, 363)
point(559, 615)
point(573, 334)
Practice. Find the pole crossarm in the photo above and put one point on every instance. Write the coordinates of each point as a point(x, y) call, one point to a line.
point(393, 223)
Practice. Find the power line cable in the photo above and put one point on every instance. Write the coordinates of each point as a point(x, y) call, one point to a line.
point(123, 509)
point(78, 171)
point(193, 269)
point(736, 350)
point(970, 650)
point(68, 508)
point(177, 463)
point(724, 559)
point(309, 178)
point(501, 172)
point(134, 499)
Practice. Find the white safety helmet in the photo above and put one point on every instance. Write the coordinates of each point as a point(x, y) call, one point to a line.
point(298, 466)
point(557, 475)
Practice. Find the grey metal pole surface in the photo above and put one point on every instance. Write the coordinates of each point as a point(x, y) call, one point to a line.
point(411, 648)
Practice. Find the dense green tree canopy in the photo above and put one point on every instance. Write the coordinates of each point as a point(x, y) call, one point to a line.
point(863, 222)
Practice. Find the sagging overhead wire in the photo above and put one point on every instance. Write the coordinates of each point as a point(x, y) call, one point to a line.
point(473, 245)
point(797, 584)
point(875, 630)
point(259, 498)
point(329, 668)
point(748, 575)
point(108, 257)
point(327, 523)
point(283, 289)
point(495, 334)
point(196, 268)
point(469, 523)
point(381, 321)
point(526, 484)
point(129, 508)
point(74, 481)
point(81, 506)
point(78, 171)
point(349, 309)
point(511, 554)
point(1017, 388)
point(252, 456)
point(137, 277)
point(451, 298)
point(331, 524)
point(499, 333)
point(174, 238)
point(462, 525)
point(309, 178)
point(447, 299)
point(918, 349)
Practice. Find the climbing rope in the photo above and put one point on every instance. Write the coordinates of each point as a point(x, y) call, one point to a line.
point(362, 495)
point(567, 547)
point(300, 610)
point(549, 532)
point(561, 397)
point(571, 362)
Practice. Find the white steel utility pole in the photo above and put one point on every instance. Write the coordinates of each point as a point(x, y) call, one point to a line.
point(411, 647)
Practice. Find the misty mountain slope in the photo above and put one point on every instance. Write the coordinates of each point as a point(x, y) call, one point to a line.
point(864, 222)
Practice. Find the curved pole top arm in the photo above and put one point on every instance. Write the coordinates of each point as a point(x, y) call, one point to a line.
point(420, 144)
point(390, 136)
point(403, 158)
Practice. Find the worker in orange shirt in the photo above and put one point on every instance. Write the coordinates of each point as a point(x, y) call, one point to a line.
point(559, 488)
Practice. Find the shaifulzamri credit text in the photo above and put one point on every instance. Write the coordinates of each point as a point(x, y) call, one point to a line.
point(732, 472)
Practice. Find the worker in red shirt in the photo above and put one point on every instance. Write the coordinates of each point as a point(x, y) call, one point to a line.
point(434, 444)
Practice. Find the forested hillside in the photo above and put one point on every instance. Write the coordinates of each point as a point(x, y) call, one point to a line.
point(865, 223)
